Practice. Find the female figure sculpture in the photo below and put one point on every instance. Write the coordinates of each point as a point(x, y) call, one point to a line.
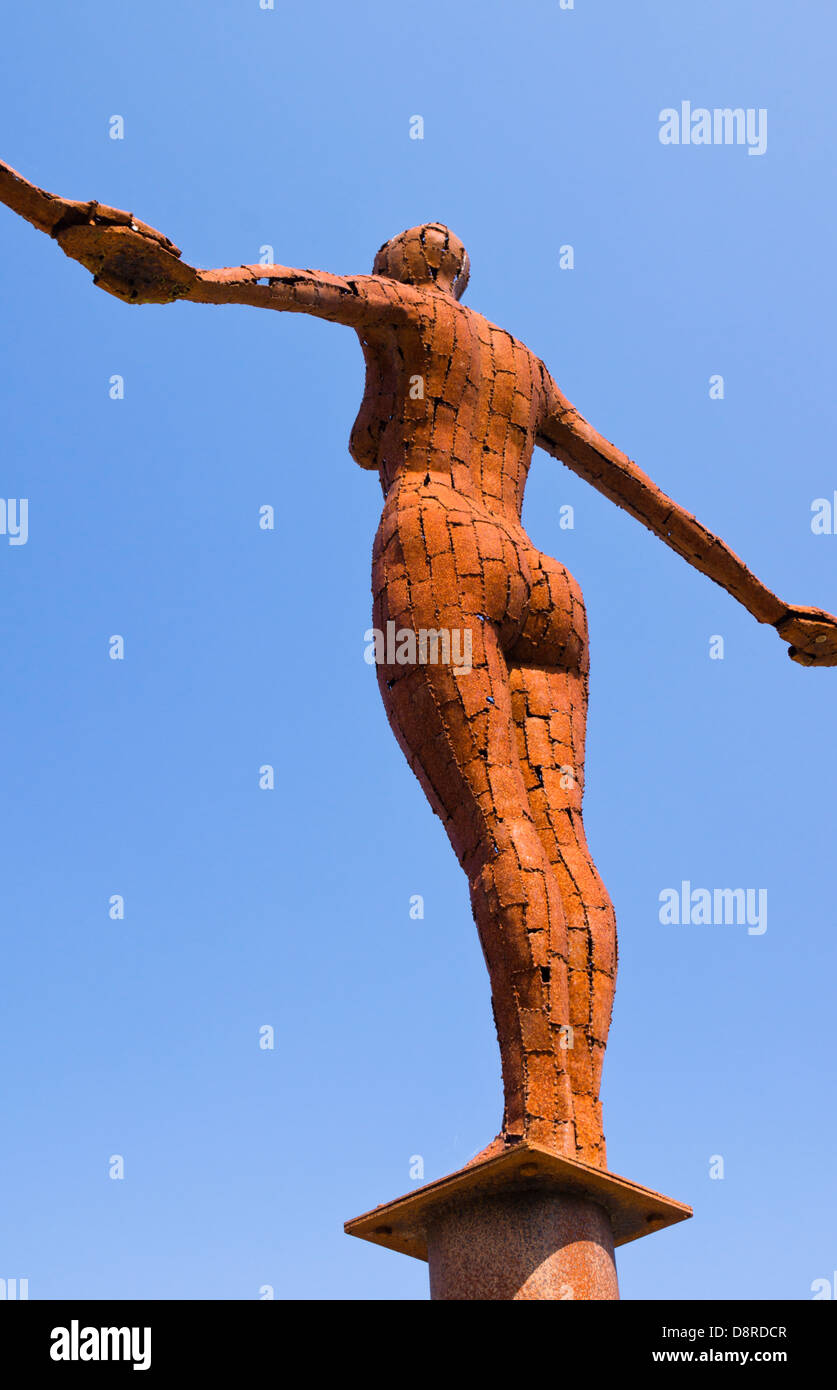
point(452, 411)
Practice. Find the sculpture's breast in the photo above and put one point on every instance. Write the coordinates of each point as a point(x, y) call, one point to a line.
point(382, 403)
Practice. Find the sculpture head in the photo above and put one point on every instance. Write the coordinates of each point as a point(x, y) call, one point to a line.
point(426, 255)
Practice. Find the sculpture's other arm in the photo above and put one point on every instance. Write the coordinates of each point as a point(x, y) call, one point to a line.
point(565, 434)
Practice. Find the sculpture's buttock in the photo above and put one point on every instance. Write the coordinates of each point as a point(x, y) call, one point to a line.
point(441, 557)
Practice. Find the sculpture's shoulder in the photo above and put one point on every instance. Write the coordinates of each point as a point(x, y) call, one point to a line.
point(501, 338)
point(502, 352)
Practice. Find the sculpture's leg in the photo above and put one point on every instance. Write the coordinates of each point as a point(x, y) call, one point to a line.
point(461, 748)
point(457, 732)
point(550, 707)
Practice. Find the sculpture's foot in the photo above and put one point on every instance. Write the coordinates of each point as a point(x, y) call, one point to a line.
point(591, 1150)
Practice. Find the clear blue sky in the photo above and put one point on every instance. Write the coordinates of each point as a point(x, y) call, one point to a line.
point(290, 128)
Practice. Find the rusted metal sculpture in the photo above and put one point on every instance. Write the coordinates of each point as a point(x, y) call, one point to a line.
point(451, 414)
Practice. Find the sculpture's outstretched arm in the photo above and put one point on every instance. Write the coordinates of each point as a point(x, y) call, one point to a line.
point(564, 433)
point(140, 265)
point(357, 301)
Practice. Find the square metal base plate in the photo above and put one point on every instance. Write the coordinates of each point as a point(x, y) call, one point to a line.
point(634, 1211)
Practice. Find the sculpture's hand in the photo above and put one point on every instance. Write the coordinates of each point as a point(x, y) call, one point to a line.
point(812, 634)
point(127, 258)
